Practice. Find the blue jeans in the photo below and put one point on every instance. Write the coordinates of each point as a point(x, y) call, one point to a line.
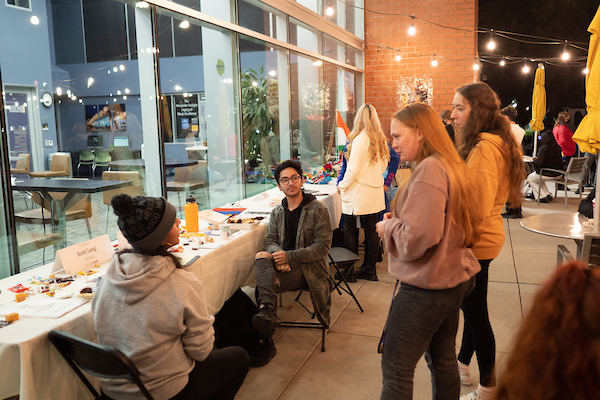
point(423, 321)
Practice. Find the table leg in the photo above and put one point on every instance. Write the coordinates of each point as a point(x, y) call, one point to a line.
point(59, 225)
point(579, 244)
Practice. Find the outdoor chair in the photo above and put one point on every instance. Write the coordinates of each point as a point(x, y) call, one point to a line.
point(136, 189)
point(588, 251)
point(22, 167)
point(60, 166)
point(337, 256)
point(571, 176)
point(86, 157)
point(98, 360)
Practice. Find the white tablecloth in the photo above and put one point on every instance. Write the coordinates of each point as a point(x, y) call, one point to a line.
point(31, 367)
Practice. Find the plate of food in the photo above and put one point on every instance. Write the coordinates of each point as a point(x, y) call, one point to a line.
point(244, 222)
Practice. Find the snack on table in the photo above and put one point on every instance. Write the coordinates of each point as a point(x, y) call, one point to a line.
point(249, 220)
point(86, 272)
point(11, 317)
point(18, 288)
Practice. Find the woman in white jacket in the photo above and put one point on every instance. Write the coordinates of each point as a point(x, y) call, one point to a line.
point(362, 186)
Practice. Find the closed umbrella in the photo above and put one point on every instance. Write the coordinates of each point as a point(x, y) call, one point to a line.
point(538, 108)
point(587, 135)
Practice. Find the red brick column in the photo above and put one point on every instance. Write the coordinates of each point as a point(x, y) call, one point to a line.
point(455, 50)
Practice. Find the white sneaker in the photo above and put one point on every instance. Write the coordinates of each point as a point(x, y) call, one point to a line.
point(471, 396)
point(465, 379)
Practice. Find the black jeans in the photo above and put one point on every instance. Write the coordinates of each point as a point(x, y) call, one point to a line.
point(218, 377)
point(478, 336)
point(266, 276)
point(350, 233)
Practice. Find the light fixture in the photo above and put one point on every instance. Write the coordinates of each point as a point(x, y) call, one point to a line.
point(142, 4)
point(34, 20)
point(126, 90)
point(502, 63)
point(491, 44)
point(272, 73)
point(122, 67)
point(255, 84)
point(565, 56)
point(525, 67)
point(329, 10)
point(115, 69)
point(90, 81)
point(586, 71)
point(317, 63)
point(118, 92)
point(434, 63)
point(411, 29)
point(398, 57)
point(184, 24)
point(475, 65)
point(178, 88)
point(58, 91)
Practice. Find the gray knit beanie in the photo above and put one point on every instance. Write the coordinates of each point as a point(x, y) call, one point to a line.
point(144, 221)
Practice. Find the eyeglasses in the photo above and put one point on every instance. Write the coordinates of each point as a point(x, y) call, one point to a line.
point(285, 181)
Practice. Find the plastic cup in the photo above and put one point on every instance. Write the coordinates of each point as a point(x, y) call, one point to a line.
point(224, 229)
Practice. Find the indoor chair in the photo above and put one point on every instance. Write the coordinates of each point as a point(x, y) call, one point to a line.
point(571, 176)
point(60, 166)
point(136, 189)
point(86, 157)
point(184, 181)
point(102, 158)
point(101, 361)
point(22, 167)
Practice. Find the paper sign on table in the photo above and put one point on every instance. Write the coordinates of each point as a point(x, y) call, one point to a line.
point(84, 255)
point(44, 307)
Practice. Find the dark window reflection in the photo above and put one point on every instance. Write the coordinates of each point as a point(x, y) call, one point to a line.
point(105, 33)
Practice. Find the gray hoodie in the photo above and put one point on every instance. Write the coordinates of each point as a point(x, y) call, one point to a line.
point(156, 314)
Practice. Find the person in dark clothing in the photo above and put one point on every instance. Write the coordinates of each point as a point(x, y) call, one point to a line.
point(295, 252)
point(549, 156)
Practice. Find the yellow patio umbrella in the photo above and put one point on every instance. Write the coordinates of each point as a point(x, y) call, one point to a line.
point(587, 135)
point(538, 108)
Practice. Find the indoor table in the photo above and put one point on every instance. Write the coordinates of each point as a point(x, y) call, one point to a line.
point(138, 163)
point(75, 190)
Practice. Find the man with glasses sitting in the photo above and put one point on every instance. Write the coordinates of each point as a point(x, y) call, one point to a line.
point(295, 256)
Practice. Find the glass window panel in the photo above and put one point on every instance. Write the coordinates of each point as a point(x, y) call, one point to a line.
point(263, 19)
point(18, 3)
point(188, 38)
point(333, 48)
point(105, 32)
point(68, 39)
point(164, 28)
point(304, 36)
point(265, 108)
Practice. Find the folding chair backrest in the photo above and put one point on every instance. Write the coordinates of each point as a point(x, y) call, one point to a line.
point(575, 168)
point(101, 361)
point(590, 253)
point(85, 204)
point(23, 163)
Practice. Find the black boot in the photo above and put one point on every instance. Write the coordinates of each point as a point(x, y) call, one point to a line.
point(367, 270)
point(263, 353)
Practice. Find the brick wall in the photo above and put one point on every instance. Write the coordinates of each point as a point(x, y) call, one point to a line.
point(455, 50)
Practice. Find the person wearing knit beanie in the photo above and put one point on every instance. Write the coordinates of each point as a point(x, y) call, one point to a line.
point(145, 221)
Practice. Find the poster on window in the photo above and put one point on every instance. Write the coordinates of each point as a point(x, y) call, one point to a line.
point(186, 114)
point(97, 118)
point(119, 117)
point(415, 89)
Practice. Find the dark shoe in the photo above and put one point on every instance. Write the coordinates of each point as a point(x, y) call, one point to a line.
point(265, 320)
point(263, 353)
point(530, 196)
point(369, 275)
point(546, 199)
point(519, 214)
point(509, 215)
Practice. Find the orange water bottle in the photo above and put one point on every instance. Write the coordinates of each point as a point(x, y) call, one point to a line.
point(191, 215)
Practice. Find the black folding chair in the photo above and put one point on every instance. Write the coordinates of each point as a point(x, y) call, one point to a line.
point(338, 256)
point(98, 360)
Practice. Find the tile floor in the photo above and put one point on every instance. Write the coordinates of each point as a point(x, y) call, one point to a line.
point(350, 366)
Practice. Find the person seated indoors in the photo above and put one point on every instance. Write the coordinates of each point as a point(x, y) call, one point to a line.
point(556, 354)
point(296, 246)
point(548, 157)
point(154, 311)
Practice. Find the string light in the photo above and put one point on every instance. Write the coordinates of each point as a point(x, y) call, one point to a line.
point(412, 30)
point(525, 67)
point(329, 10)
point(586, 71)
point(503, 62)
point(565, 55)
point(434, 63)
point(491, 44)
point(398, 57)
point(476, 65)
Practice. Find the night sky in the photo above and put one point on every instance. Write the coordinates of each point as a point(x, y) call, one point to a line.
point(564, 20)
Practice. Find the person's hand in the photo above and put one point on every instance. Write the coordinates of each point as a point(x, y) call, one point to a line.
point(386, 188)
point(387, 215)
point(380, 226)
point(279, 257)
point(283, 267)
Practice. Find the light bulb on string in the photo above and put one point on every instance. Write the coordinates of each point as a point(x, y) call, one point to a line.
point(411, 29)
point(491, 44)
point(525, 67)
point(434, 62)
point(565, 56)
point(329, 10)
point(502, 63)
point(586, 71)
point(476, 65)
point(398, 57)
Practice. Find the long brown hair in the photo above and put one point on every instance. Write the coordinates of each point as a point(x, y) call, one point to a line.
point(557, 351)
point(367, 121)
point(562, 118)
point(485, 117)
point(436, 143)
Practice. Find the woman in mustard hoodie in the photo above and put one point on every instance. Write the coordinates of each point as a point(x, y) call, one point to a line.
point(496, 170)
